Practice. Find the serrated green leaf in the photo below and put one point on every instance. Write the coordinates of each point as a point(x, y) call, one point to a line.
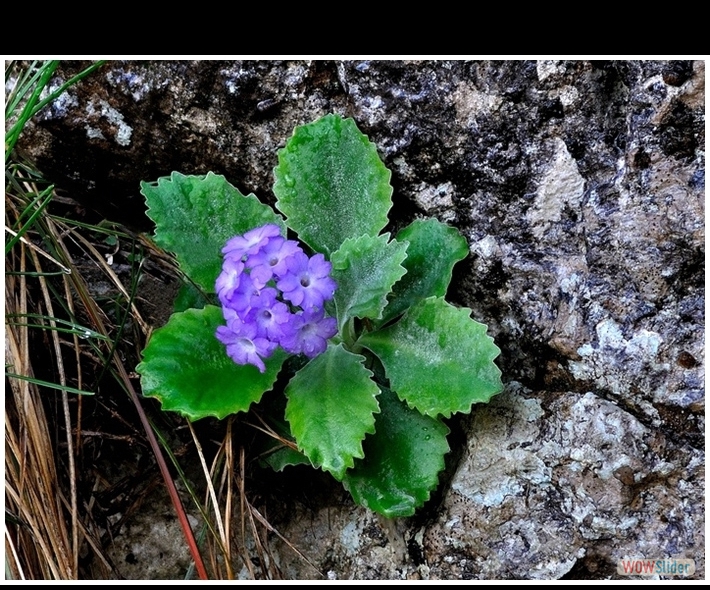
point(331, 184)
point(331, 406)
point(434, 249)
point(195, 216)
point(402, 460)
point(365, 269)
point(188, 370)
point(437, 358)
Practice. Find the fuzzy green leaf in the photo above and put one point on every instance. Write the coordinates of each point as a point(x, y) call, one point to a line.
point(195, 216)
point(331, 184)
point(365, 269)
point(331, 402)
point(434, 249)
point(402, 460)
point(437, 358)
point(188, 370)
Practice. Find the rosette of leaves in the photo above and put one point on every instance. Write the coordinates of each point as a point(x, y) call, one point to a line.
point(369, 409)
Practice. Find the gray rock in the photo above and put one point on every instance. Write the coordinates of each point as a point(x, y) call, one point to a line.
point(555, 481)
point(580, 188)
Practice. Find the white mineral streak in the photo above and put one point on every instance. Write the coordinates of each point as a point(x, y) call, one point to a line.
point(561, 186)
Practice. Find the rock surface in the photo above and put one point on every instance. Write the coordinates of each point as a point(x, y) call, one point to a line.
point(580, 188)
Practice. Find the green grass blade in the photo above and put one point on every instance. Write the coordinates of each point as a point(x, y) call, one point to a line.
point(34, 104)
point(73, 80)
point(28, 111)
point(16, 238)
point(49, 384)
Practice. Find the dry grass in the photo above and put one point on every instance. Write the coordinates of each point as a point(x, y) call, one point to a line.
point(240, 533)
point(46, 536)
point(53, 319)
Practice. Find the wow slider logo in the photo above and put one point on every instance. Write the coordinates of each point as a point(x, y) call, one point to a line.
point(655, 567)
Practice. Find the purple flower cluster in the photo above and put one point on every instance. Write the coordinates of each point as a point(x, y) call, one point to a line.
point(272, 295)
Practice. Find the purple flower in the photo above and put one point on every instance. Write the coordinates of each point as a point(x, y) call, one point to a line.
point(308, 281)
point(243, 345)
point(240, 298)
point(271, 259)
point(259, 317)
point(269, 315)
point(251, 241)
point(308, 333)
point(228, 280)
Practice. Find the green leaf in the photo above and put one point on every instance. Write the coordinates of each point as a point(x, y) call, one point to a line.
point(365, 269)
point(434, 249)
point(282, 456)
point(437, 358)
point(331, 402)
point(402, 460)
point(189, 296)
point(331, 184)
point(272, 451)
point(195, 216)
point(188, 370)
